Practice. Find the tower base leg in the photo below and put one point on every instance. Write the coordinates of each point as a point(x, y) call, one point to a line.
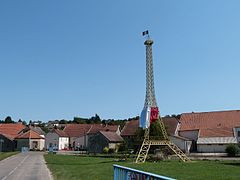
point(142, 155)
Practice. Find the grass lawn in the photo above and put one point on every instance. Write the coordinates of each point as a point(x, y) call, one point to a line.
point(77, 167)
point(4, 155)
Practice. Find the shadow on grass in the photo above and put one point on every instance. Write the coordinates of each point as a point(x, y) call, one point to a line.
point(232, 163)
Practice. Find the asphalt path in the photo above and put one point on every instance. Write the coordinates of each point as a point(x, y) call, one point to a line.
point(25, 166)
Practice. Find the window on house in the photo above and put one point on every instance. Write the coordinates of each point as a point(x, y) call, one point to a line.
point(238, 133)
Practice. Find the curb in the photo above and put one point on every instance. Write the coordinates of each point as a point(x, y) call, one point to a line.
point(9, 157)
point(49, 172)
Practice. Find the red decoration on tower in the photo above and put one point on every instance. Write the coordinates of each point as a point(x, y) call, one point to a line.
point(154, 114)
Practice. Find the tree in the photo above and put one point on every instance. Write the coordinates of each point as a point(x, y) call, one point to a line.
point(63, 121)
point(8, 119)
point(79, 120)
point(155, 129)
point(97, 119)
point(23, 122)
point(104, 122)
point(94, 120)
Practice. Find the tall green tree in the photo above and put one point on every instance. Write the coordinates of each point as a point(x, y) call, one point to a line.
point(8, 119)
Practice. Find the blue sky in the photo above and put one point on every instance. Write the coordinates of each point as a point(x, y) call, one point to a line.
point(61, 59)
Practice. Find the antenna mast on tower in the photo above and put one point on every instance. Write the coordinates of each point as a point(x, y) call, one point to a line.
point(150, 112)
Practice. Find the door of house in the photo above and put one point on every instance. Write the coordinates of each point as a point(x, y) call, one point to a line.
point(35, 145)
point(194, 146)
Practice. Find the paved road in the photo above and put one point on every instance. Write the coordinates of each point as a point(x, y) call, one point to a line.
point(25, 166)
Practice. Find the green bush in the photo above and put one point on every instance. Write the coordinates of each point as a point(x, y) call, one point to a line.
point(110, 151)
point(122, 147)
point(232, 150)
point(105, 150)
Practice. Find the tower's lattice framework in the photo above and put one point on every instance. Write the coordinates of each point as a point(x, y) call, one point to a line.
point(150, 103)
point(150, 99)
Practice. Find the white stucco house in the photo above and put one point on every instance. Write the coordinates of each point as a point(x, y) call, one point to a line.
point(56, 139)
point(31, 140)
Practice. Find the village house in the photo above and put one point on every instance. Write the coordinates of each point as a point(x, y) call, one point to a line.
point(102, 139)
point(35, 128)
point(57, 140)
point(6, 143)
point(108, 133)
point(30, 139)
point(128, 133)
point(211, 131)
point(8, 132)
point(79, 134)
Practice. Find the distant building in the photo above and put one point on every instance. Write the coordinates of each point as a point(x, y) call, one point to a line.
point(35, 128)
point(31, 140)
point(8, 132)
point(7, 143)
point(79, 134)
point(56, 139)
point(52, 124)
point(128, 133)
point(11, 129)
point(102, 139)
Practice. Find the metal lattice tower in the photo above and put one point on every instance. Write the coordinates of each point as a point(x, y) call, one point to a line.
point(150, 99)
point(150, 102)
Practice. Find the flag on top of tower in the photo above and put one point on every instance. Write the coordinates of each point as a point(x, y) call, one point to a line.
point(145, 33)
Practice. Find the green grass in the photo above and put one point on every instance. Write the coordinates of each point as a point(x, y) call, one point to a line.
point(4, 155)
point(77, 167)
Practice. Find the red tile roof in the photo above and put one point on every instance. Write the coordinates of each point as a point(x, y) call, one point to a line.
point(100, 127)
point(131, 127)
point(11, 129)
point(60, 133)
point(171, 124)
point(7, 136)
point(211, 124)
point(76, 130)
point(218, 132)
point(29, 135)
point(112, 136)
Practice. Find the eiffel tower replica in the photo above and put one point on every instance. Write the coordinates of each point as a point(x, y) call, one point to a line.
point(150, 113)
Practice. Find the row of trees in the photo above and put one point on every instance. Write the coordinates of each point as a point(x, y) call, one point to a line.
point(8, 119)
point(97, 120)
point(79, 120)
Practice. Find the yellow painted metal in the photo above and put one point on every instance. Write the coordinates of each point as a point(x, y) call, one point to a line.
point(150, 141)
